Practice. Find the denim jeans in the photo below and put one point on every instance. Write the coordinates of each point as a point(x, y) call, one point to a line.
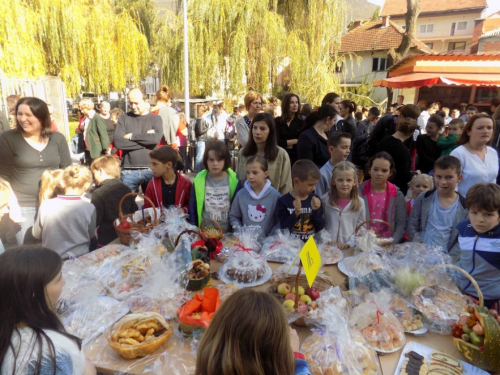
point(200, 150)
point(134, 178)
point(187, 163)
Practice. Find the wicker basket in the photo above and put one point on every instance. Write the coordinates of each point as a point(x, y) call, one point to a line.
point(321, 283)
point(207, 223)
point(381, 242)
point(485, 357)
point(144, 348)
point(125, 234)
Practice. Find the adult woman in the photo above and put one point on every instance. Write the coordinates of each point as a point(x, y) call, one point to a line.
point(27, 151)
point(348, 124)
point(249, 334)
point(32, 338)
point(94, 132)
point(427, 150)
point(289, 125)
point(394, 146)
point(104, 112)
point(168, 115)
point(479, 161)
point(263, 142)
point(312, 142)
point(253, 105)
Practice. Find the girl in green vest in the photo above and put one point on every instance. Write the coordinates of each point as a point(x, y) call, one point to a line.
point(214, 187)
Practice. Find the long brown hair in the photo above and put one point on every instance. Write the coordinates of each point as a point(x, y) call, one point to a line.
point(464, 137)
point(249, 334)
point(334, 195)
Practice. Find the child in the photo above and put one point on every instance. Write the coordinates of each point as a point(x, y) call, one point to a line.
point(383, 200)
point(255, 204)
point(344, 211)
point(478, 239)
point(339, 145)
point(471, 111)
point(214, 187)
point(437, 212)
point(107, 195)
point(66, 224)
point(250, 334)
point(168, 187)
point(449, 143)
point(300, 211)
point(50, 185)
point(418, 184)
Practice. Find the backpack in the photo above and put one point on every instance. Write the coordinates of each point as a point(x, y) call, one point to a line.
point(192, 131)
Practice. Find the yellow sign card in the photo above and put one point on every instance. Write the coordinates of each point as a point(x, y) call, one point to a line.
point(311, 260)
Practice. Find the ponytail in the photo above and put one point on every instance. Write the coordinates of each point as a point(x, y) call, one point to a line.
point(321, 113)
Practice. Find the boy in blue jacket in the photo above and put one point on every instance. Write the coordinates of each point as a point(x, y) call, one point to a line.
point(479, 239)
point(300, 211)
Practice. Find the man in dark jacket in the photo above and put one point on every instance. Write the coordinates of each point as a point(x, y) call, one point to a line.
point(137, 133)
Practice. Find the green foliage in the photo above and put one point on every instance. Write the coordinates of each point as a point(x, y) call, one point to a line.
point(361, 94)
point(235, 45)
point(87, 43)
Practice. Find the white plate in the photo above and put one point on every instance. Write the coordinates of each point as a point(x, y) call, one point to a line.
point(426, 351)
point(223, 277)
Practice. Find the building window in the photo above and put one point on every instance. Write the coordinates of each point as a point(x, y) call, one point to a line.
point(456, 46)
point(403, 27)
point(379, 64)
point(430, 45)
point(462, 26)
point(426, 29)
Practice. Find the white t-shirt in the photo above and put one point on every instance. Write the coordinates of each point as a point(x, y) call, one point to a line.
point(475, 170)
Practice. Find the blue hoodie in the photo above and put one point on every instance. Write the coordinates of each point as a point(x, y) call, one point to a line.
point(249, 208)
point(480, 257)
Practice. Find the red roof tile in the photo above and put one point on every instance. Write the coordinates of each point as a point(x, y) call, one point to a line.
point(398, 7)
point(371, 36)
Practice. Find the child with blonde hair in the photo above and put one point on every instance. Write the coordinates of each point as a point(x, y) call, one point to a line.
point(50, 186)
point(418, 184)
point(344, 210)
point(66, 223)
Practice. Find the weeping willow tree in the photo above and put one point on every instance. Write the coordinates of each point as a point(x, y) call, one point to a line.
point(85, 42)
point(236, 45)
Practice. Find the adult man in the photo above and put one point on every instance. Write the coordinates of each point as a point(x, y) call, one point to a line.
point(222, 117)
point(400, 101)
point(137, 133)
point(424, 116)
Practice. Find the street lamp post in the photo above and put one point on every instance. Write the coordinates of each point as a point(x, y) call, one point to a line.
point(186, 65)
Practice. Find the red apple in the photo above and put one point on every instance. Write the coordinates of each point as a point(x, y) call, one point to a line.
point(124, 225)
point(290, 296)
point(313, 293)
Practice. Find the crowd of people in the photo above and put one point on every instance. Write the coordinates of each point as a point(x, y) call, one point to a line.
point(421, 172)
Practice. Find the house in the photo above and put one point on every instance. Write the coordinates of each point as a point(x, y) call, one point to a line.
point(365, 49)
point(486, 36)
point(451, 77)
point(443, 25)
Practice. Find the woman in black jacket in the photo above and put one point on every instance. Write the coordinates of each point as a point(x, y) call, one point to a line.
point(348, 124)
point(289, 125)
point(312, 142)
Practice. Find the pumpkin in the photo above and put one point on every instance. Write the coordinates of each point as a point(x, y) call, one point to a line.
point(486, 357)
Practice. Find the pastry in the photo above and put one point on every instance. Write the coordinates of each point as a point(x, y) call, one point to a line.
point(414, 364)
point(245, 270)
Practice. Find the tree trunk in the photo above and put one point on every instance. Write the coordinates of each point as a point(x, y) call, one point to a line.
point(395, 56)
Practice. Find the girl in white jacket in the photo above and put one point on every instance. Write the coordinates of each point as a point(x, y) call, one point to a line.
point(343, 209)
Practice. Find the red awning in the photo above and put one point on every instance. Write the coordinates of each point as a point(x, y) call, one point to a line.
point(429, 79)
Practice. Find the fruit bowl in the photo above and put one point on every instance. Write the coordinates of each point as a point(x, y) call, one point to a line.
point(321, 283)
point(198, 276)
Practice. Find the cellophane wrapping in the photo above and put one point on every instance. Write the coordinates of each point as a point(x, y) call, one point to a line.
point(281, 247)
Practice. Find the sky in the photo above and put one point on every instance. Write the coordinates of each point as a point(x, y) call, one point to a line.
point(493, 5)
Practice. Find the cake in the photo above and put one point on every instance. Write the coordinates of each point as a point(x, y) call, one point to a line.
point(245, 270)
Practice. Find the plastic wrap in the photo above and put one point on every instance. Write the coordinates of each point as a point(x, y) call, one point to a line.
point(368, 268)
point(335, 349)
point(282, 247)
point(174, 223)
point(90, 314)
point(374, 238)
point(330, 253)
point(377, 324)
point(331, 298)
point(245, 266)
